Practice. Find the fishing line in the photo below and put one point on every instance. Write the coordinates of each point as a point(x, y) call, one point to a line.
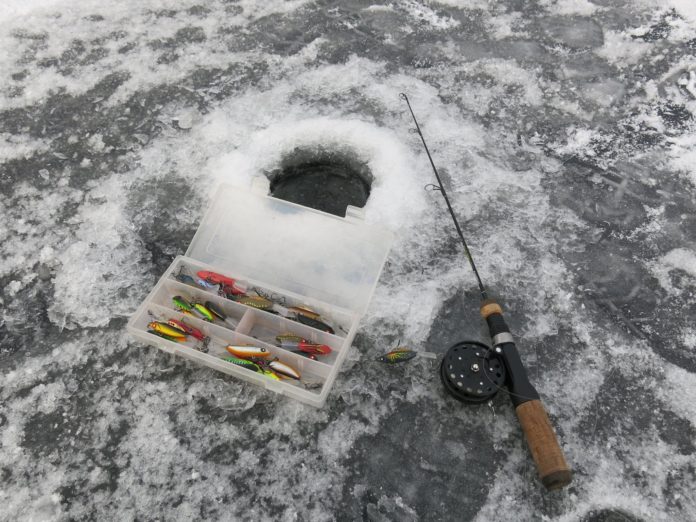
point(442, 190)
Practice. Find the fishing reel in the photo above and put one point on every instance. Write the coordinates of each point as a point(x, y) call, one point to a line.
point(472, 372)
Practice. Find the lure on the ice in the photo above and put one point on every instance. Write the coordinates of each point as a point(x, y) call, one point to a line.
point(246, 351)
point(284, 370)
point(166, 329)
point(469, 370)
point(397, 355)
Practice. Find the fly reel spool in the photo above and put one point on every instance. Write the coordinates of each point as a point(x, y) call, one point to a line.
point(472, 372)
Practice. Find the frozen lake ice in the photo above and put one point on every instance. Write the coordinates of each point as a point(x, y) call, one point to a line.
point(565, 132)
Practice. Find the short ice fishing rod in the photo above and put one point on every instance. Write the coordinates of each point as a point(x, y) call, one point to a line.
point(473, 372)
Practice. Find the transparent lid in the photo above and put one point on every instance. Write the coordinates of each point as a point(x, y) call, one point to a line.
point(318, 255)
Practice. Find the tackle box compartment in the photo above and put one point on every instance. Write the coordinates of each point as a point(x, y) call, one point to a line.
point(293, 254)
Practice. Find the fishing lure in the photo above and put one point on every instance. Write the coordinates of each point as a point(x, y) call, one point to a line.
point(215, 278)
point(166, 329)
point(314, 323)
point(397, 355)
point(303, 346)
point(305, 354)
point(283, 369)
point(202, 312)
point(290, 337)
point(270, 374)
point(206, 284)
point(246, 351)
point(182, 304)
point(255, 301)
point(186, 279)
point(304, 311)
point(227, 284)
point(216, 311)
point(167, 337)
point(187, 329)
point(244, 363)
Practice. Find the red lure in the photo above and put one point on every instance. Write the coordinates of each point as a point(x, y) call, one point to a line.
point(227, 283)
point(186, 328)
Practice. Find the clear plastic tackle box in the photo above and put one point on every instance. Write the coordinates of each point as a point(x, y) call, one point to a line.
point(297, 256)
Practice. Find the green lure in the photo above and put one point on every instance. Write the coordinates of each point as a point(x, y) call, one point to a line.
point(182, 304)
point(203, 312)
point(396, 356)
point(244, 364)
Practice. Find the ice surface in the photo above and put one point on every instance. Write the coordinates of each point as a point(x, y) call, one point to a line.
point(565, 134)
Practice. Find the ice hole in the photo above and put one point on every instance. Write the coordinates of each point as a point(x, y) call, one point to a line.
point(322, 179)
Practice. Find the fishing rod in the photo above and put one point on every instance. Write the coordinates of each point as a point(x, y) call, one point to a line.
point(473, 372)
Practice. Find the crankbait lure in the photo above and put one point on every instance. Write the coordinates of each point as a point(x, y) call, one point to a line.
point(167, 337)
point(215, 278)
point(166, 329)
point(205, 284)
point(255, 301)
point(249, 365)
point(202, 312)
point(303, 346)
point(304, 311)
point(283, 369)
point(228, 286)
point(182, 304)
point(187, 329)
point(290, 337)
point(314, 323)
point(216, 311)
point(246, 351)
point(397, 355)
point(186, 279)
point(305, 354)
point(270, 374)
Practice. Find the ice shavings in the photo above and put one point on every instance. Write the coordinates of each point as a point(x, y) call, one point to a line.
point(99, 274)
point(678, 259)
point(427, 14)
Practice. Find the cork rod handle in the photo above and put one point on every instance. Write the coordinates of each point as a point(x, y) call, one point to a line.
point(543, 445)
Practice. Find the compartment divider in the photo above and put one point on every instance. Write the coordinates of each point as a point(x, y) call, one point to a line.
point(246, 323)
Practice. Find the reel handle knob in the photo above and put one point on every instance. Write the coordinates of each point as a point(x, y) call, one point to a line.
point(543, 444)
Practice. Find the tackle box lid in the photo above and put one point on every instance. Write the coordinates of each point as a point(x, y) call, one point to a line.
point(295, 248)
